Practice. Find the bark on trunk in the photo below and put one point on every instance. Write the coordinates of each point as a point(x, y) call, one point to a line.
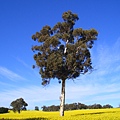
point(62, 98)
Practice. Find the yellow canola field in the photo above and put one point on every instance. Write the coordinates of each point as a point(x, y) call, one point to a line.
point(96, 114)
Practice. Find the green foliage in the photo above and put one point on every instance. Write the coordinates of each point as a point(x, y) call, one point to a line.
point(37, 108)
point(107, 106)
point(3, 110)
point(62, 51)
point(75, 106)
point(18, 104)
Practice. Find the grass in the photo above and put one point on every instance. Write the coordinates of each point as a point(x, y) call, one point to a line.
point(96, 114)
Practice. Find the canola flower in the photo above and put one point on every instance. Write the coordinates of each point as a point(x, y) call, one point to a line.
point(96, 114)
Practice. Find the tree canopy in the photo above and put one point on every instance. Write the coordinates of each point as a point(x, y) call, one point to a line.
point(63, 52)
point(18, 104)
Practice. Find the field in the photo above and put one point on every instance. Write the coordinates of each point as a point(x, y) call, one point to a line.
point(98, 114)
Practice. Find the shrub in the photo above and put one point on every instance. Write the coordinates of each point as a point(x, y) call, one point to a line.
point(36, 108)
point(3, 110)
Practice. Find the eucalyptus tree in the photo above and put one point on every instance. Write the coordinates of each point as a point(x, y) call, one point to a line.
point(18, 105)
point(63, 52)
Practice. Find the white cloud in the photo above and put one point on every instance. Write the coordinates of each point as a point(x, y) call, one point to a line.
point(107, 97)
point(32, 72)
point(10, 74)
point(23, 63)
point(106, 60)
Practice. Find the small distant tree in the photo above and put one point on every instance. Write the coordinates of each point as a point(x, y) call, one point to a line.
point(18, 105)
point(119, 106)
point(24, 108)
point(96, 106)
point(63, 52)
point(3, 110)
point(37, 108)
point(44, 108)
point(107, 106)
point(82, 106)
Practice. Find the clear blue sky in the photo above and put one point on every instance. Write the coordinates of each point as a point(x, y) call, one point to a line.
point(20, 19)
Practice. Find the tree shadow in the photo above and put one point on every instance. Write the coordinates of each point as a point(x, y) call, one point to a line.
point(37, 118)
point(93, 113)
point(40, 118)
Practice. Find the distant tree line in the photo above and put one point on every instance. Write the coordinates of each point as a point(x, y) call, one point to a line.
point(75, 106)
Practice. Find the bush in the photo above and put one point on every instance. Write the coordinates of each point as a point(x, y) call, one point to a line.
point(3, 110)
point(36, 108)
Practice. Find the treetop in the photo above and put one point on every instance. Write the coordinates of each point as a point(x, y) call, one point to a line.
point(62, 51)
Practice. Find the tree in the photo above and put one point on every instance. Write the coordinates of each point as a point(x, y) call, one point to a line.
point(96, 106)
point(18, 104)
point(107, 106)
point(63, 52)
point(82, 106)
point(37, 108)
point(3, 110)
point(119, 106)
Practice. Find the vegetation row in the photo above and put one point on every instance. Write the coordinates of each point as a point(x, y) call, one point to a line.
point(75, 106)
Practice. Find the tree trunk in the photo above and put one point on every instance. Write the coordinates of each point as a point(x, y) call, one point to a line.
point(62, 98)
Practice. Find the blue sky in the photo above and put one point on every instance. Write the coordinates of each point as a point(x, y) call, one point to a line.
point(20, 19)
